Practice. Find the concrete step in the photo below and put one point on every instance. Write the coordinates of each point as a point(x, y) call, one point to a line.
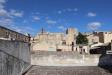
point(55, 70)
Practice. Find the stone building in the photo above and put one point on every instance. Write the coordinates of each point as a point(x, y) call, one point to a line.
point(8, 34)
point(71, 34)
point(99, 37)
point(55, 41)
point(104, 37)
point(92, 38)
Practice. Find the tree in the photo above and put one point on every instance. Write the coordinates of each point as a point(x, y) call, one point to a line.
point(81, 39)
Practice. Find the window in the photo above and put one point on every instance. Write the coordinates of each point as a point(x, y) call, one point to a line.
point(59, 50)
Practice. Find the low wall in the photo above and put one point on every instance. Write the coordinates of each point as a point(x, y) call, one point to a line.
point(10, 65)
point(14, 57)
point(17, 49)
point(52, 58)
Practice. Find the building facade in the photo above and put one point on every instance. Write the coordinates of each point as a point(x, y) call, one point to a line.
point(8, 34)
point(104, 37)
point(92, 38)
point(99, 37)
point(55, 41)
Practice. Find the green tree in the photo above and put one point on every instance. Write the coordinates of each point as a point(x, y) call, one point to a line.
point(81, 39)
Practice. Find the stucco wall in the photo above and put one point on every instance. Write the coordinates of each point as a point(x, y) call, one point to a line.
point(51, 58)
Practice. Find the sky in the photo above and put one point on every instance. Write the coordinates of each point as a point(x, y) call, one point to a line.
point(29, 16)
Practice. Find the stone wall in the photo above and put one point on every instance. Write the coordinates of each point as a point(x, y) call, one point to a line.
point(10, 34)
point(51, 58)
point(17, 49)
point(10, 65)
point(14, 57)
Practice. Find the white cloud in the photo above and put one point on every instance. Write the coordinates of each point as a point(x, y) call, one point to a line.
point(6, 13)
point(75, 9)
point(59, 12)
point(37, 13)
point(26, 29)
point(62, 28)
point(94, 25)
point(91, 14)
point(16, 13)
point(1, 6)
point(6, 17)
point(2, 1)
point(36, 18)
point(9, 23)
point(3, 13)
point(69, 9)
point(51, 22)
point(24, 21)
point(6, 22)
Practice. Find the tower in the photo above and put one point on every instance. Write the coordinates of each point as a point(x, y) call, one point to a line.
point(71, 34)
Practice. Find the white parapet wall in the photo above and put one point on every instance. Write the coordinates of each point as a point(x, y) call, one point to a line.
point(50, 58)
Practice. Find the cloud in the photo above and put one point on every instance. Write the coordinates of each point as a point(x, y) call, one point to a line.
point(25, 30)
point(94, 25)
point(7, 19)
point(6, 22)
point(2, 1)
point(51, 22)
point(62, 28)
point(16, 13)
point(2, 10)
point(10, 13)
point(75, 9)
point(3, 13)
point(37, 13)
point(91, 14)
point(9, 23)
point(59, 12)
point(69, 9)
point(36, 18)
